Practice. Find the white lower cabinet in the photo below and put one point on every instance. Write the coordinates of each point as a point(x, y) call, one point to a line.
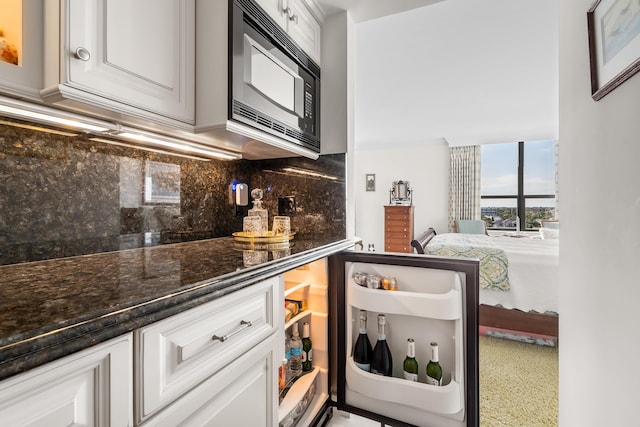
point(175, 355)
point(215, 364)
point(242, 394)
point(90, 388)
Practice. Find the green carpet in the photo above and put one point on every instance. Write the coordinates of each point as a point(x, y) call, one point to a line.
point(518, 384)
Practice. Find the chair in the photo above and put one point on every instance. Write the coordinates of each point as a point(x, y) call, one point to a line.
point(471, 226)
point(551, 224)
point(421, 241)
point(550, 229)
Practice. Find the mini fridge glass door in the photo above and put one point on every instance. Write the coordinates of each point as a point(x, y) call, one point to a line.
point(436, 301)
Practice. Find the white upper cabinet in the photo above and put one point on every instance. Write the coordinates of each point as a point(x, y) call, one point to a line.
point(298, 21)
point(132, 57)
point(21, 44)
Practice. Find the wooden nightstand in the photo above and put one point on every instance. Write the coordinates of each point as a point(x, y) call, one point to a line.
point(398, 228)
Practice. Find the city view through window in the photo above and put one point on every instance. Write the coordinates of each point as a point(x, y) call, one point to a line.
point(518, 184)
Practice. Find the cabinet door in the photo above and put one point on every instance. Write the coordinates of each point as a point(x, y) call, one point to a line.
point(243, 394)
point(90, 388)
point(23, 30)
point(276, 11)
point(138, 53)
point(304, 29)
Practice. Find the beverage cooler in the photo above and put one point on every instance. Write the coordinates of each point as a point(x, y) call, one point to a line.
point(436, 301)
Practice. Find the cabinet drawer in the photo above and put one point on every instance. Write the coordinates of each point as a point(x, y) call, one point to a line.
point(398, 210)
point(403, 235)
point(244, 393)
point(398, 217)
point(397, 223)
point(396, 228)
point(398, 248)
point(397, 241)
point(176, 354)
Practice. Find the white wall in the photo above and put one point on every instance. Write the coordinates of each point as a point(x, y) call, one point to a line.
point(600, 248)
point(423, 165)
point(465, 70)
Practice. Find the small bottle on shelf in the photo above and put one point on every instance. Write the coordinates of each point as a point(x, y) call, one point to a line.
point(295, 344)
point(381, 362)
point(410, 365)
point(282, 377)
point(362, 351)
point(307, 350)
point(434, 370)
point(389, 283)
point(287, 354)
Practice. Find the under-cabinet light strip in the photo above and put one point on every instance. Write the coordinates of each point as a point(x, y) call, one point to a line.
point(153, 150)
point(42, 114)
point(310, 173)
point(50, 116)
point(37, 128)
point(177, 145)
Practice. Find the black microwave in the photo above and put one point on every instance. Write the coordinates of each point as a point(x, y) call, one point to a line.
point(275, 86)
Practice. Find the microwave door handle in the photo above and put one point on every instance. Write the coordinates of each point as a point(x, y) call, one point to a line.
point(299, 96)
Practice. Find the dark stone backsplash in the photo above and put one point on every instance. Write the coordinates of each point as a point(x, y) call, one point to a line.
point(65, 196)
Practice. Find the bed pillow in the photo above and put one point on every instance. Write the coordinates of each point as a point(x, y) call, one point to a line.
point(547, 233)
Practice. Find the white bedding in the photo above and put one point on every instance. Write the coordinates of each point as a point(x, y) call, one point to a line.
point(533, 274)
point(532, 269)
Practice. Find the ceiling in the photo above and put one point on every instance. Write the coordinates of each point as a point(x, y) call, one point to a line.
point(365, 10)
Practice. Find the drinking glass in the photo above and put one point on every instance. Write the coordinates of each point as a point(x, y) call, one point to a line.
point(252, 225)
point(281, 226)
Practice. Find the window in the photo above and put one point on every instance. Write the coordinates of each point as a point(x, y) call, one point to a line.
point(518, 184)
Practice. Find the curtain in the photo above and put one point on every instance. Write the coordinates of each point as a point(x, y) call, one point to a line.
point(464, 183)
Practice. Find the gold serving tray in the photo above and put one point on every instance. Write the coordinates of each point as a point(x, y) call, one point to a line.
point(244, 237)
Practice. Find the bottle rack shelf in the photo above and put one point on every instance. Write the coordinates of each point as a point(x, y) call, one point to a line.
point(447, 399)
point(445, 306)
point(297, 318)
point(294, 401)
point(291, 289)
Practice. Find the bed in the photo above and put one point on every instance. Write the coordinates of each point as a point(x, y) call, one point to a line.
point(518, 277)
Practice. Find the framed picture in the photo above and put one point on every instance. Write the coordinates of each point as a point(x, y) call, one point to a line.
point(614, 44)
point(371, 182)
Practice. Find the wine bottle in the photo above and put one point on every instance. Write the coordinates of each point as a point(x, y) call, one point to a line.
point(381, 362)
point(362, 351)
point(434, 370)
point(410, 365)
point(295, 345)
point(307, 351)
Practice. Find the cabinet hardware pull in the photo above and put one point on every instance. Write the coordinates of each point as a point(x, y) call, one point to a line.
point(294, 18)
point(82, 54)
point(243, 325)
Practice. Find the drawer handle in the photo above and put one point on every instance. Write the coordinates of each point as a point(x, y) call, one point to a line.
point(244, 324)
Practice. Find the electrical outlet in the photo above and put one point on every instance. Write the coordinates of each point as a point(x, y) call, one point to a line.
point(287, 206)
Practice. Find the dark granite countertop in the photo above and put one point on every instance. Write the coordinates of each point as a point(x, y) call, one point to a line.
point(49, 309)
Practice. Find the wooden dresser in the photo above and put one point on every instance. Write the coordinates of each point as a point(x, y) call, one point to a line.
point(398, 228)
